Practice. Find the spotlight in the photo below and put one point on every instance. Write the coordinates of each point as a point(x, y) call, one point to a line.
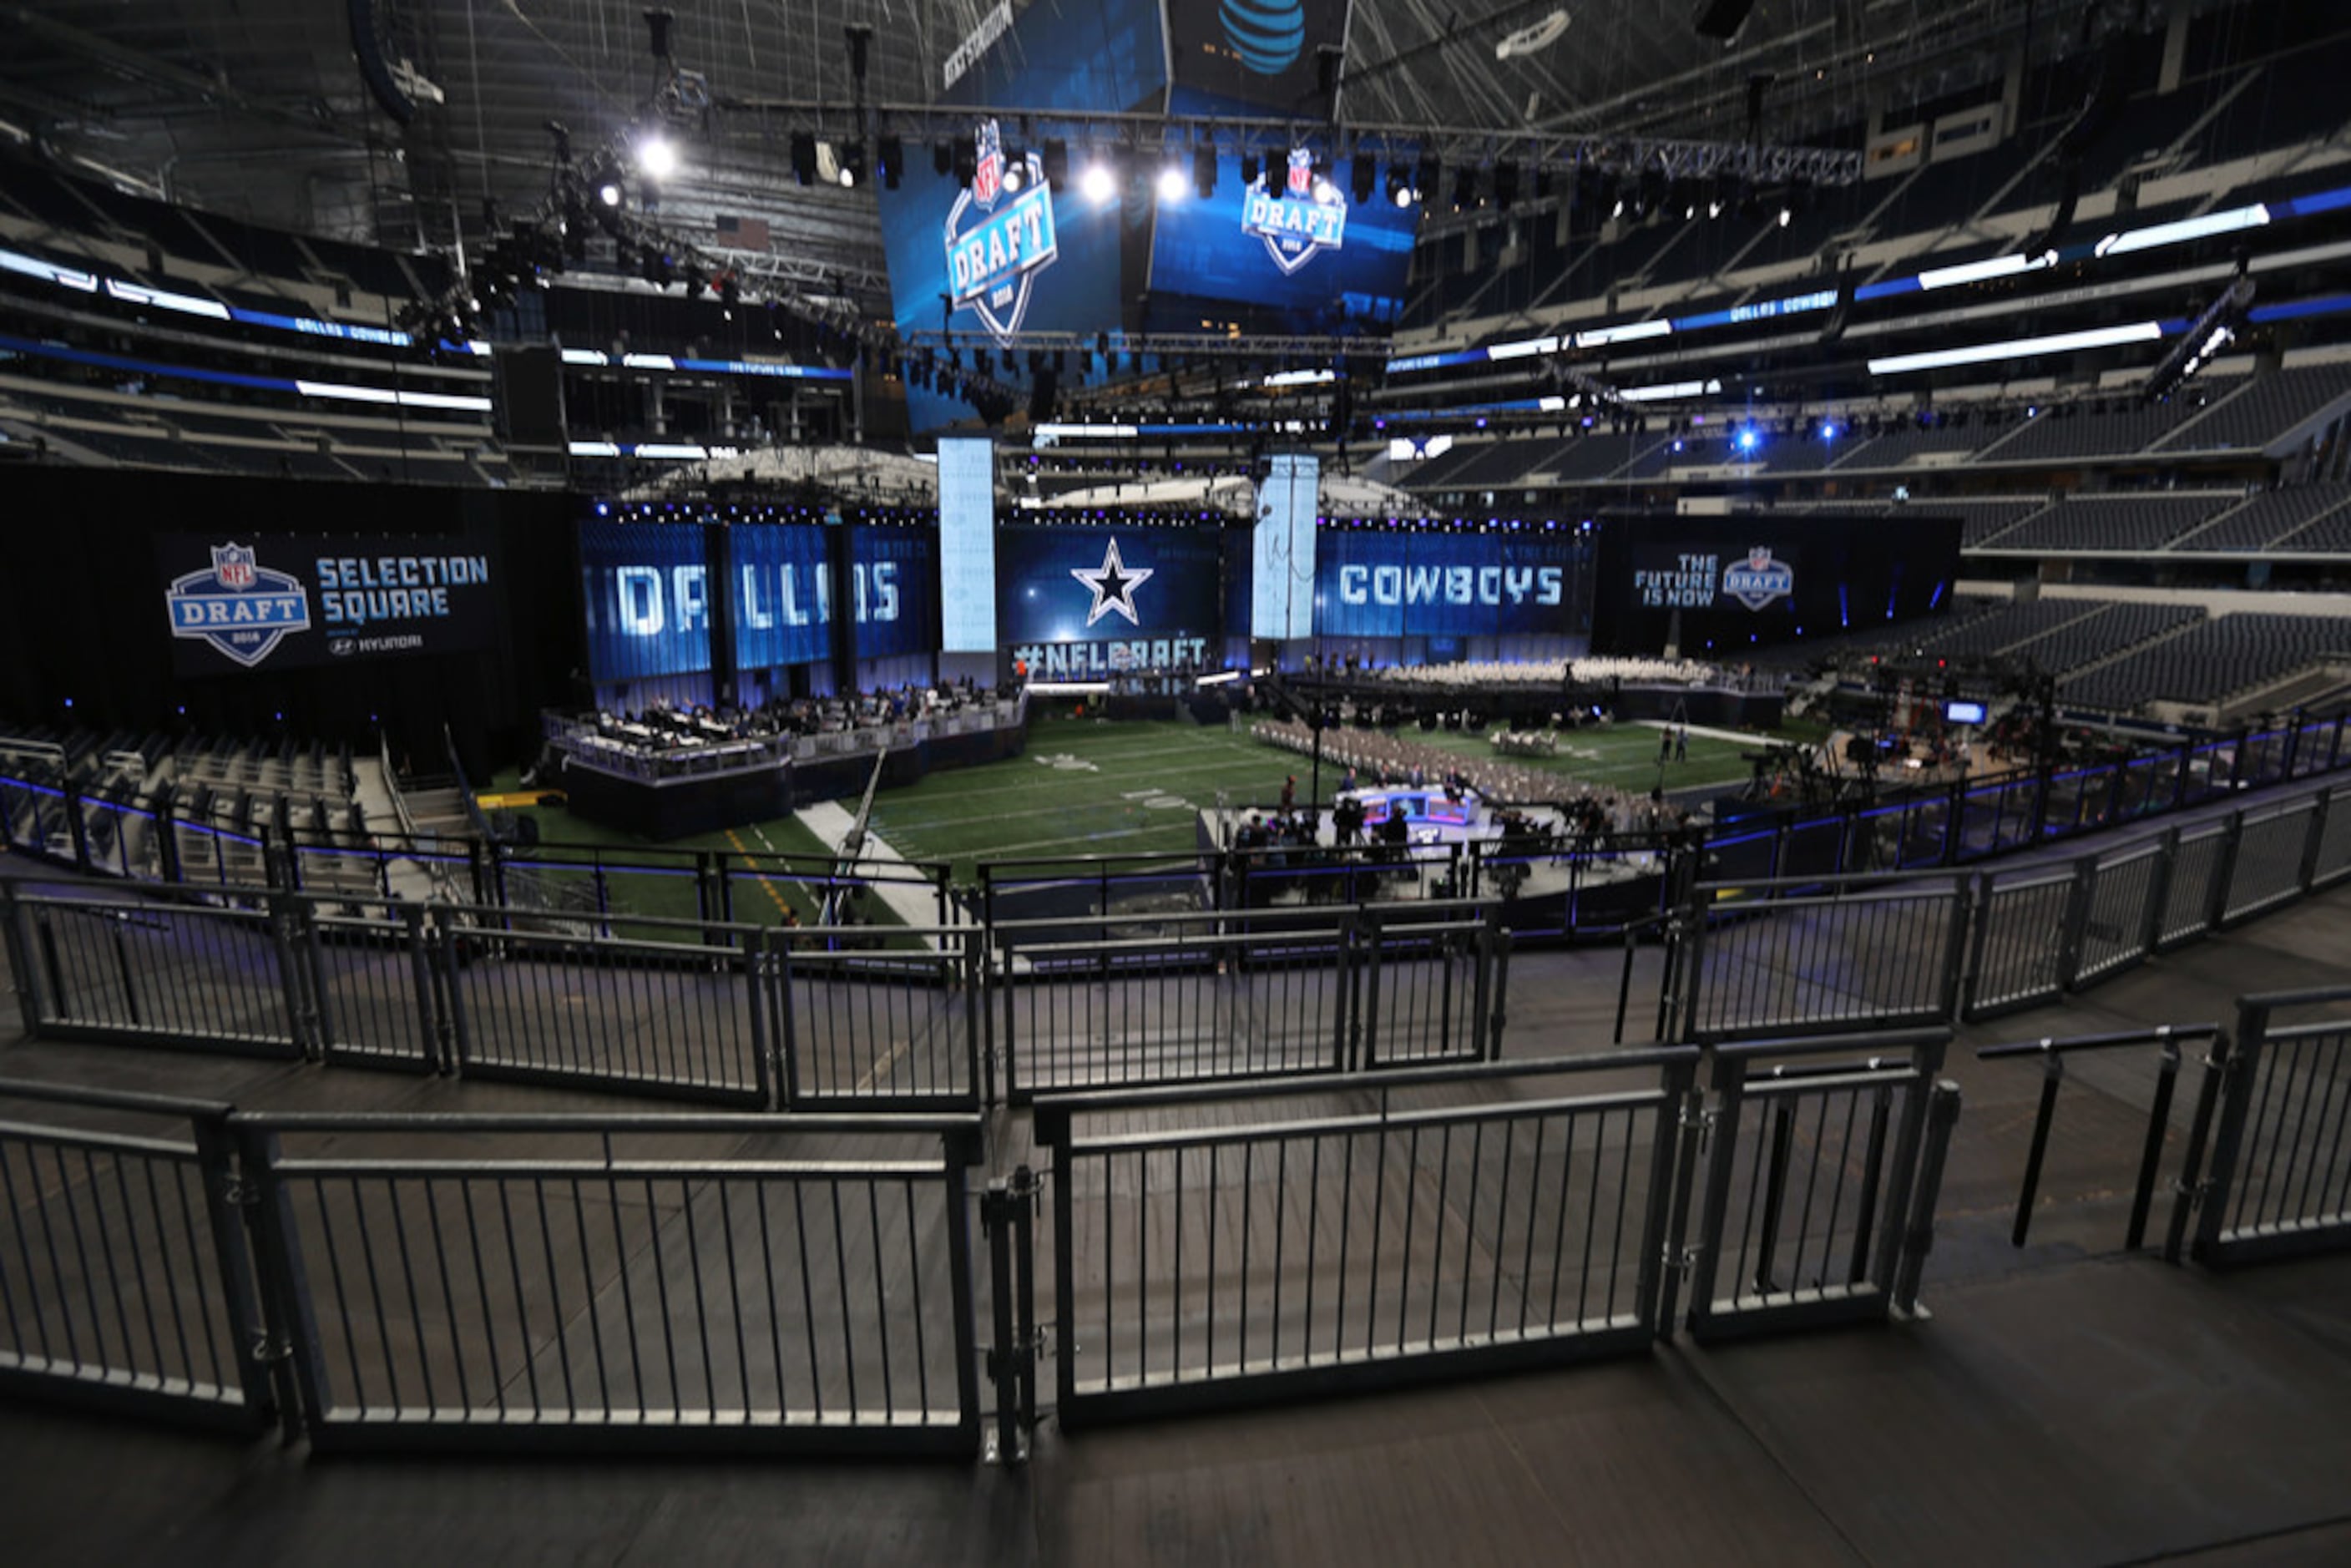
point(1747, 441)
point(657, 24)
point(1362, 175)
point(1464, 188)
point(942, 159)
point(1097, 185)
point(1204, 170)
point(1249, 168)
point(1828, 430)
point(803, 147)
point(849, 159)
point(657, 156)
point(1787, 215)
point(1506, 185)
point(893, 151)
point(1399, 185)
point(1057, 164)
point(609, 193)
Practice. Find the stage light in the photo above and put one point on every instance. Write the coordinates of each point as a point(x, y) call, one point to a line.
point(1098, 184)
point(1204, 170)
point(1173, 186)
point(1828, 430)
point(1363, 175)
point(657, 156)
point(609, 193)
point(1747, 440)
point(849, 159)
point(1249, 168)
point(1787, 215)
point(893, 161)
point(803, 153)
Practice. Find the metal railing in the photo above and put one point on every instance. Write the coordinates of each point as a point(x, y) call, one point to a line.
point(1201, 1266)
point(2052, 1054)
point(1780, 956)
point(125, 1283)
point(507, 1282)
point(1197, 998)
point(1822, 1183)
point(580, 1299)
point(2277, 1105)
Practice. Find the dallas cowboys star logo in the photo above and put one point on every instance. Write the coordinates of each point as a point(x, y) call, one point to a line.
point(1113, 584)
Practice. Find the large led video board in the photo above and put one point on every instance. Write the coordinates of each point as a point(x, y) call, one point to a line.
point(1377, 583)
point(1005, 253)
point(966, 545)
point(894, 575)
point(279, 600)
point(1282, 556)
point(1292, 251)
point(1738, 582)
point(1092, 600)
point(645, 593)
point(783, 598)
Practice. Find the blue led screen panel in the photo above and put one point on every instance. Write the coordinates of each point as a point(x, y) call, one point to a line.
point(645, 593)
point(1740, 582)
point(1282, 558)
point(966, 545)
point(1407, 583)
point(894, 580)
point(1096, 599)
point(783, 598)
point(277, 602)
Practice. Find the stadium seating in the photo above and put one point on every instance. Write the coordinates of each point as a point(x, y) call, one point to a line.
point(2132, 522)
point(2266, 519)
point(2266, 411)
point(2211, 661)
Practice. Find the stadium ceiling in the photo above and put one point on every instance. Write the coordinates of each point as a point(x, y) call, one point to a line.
point(265, 109)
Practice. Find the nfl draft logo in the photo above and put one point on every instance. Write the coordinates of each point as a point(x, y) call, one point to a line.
point(239, 606)
point(999, 236)
point(1310, 220)
point(1758, 579)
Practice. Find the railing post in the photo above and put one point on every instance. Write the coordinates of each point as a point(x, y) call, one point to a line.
point(20, 960)
point(2158, 891)
point(226, 1197)
point(1927, 1061)
point(2077, 921)
point(2158, 1118)
point(1942, 1115)
point(1706, 1261)
point(1685, 1103)
point(751, 961)
point(1965, 911)
point(2053, 1077)
point(2225, 872)
point(978, 1063)
point(457, 1031)
point(2229, 1136)
point(1688, 969)
point(1010, 1362)
point(780, 945)
point(1366, 999)
point(2313, 841)
point(284, 936)
point(2189, 1191)
point(1499, 998)
point(414, 941)
point(290, 1336)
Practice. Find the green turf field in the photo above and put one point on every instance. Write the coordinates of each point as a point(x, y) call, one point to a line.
point(1087, 787)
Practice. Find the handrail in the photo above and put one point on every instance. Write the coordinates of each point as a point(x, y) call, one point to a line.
point(112, 1099)
point(1872, 1044)
point(2063, 1045)
point(1051, 1113)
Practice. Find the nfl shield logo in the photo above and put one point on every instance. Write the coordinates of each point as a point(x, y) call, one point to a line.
point(243, 609)
point(1760, 580)
point(987, 174)
point(1301, 172)
point(1759, 559)
point(233, 567)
